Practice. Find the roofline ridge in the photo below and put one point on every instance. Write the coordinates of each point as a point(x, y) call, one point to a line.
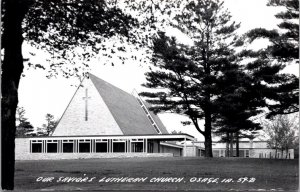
point(110, 84)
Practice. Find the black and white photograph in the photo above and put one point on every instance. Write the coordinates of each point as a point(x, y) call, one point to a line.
point(150, 95)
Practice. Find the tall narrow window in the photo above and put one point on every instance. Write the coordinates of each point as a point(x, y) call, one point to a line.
point(247, 153)
point(148, 114)
point(137, 147)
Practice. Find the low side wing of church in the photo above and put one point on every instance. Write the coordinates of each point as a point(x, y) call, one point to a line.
point(101, 121)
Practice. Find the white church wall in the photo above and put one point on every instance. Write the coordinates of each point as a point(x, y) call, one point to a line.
point(99, 120)
point(22, 148)
point(177, 152)
point(22, 152)
point(190, 151)
point(60, 156)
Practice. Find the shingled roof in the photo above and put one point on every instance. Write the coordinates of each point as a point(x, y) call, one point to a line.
point(126, 110)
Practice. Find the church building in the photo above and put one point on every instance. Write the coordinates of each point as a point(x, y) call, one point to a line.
point(103, 121)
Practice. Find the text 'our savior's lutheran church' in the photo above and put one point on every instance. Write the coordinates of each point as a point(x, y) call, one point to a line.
point(102, 121)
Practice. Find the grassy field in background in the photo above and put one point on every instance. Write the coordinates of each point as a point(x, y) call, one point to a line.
point(269, 174)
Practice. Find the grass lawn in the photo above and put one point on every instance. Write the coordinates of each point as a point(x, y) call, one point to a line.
point(269, 174)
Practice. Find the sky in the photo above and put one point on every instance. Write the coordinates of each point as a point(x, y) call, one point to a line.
point(39, 95)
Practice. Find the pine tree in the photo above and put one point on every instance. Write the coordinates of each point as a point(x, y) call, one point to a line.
point(189, 73)
point(281, 89)
point(23, 127)
point(236, 105)
point(49, 126)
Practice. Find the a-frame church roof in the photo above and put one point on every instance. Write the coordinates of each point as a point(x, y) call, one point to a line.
point(110, 110)
point(126, 110)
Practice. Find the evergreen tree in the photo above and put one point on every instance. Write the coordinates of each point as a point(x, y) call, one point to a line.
point(237, 103)
point(23, 127)
point(47, 128)
point(51, 123)
point(281, 89)
point(189, 73)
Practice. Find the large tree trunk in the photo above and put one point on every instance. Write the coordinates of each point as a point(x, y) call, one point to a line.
point(208, 127)
point(237, 146)
point(227, 144)
point(12, 68)
point(208, 144)
point(231, 145)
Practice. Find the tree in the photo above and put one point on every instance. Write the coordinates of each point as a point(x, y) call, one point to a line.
point(188, 74)
point(51, 123)
point(237, 103)
point(48, 128)
point(282, 133)
point(281, 89)
point(23, 127)
point(56, 26)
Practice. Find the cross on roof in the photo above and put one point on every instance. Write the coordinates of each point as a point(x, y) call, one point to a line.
point(86, 103)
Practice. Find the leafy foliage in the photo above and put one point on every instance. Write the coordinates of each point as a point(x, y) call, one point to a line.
point(73, 31)
point(58, 27)
point(282, 132)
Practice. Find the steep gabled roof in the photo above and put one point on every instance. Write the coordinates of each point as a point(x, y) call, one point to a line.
point(126, 110)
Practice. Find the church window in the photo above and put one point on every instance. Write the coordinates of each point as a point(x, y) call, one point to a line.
point(139, 100)
point(118, 147)
point(101, 147)
point(234, 153)
point(150, 119)
point(137, 147)
point(241, 153)
point(36, 146)
point(150, 147)
point(84, 147)
point(247, 153)
point(156, 128)
point(145, 110)
point(52, 146)
point(222, 153)
point(215, 153)
point(68, 146)
point(149, 116)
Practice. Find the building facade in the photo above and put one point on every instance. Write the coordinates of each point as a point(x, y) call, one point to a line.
point(247, 149)
point(102, 121)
